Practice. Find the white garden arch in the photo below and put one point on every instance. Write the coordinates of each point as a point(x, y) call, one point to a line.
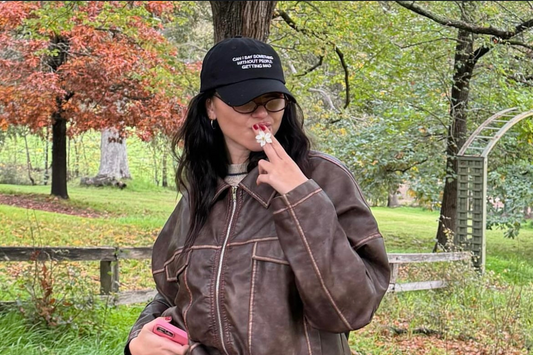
point(472, 181)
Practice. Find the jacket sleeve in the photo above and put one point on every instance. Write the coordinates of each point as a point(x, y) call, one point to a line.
point(165, 247)
point(153, 310)
point(335, 249)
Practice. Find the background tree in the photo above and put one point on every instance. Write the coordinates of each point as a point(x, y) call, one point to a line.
point(87, 65)
point(370, 90)
point(375, 82)
point(397, 75)
point(242, 18)
point(113, 156)
point(471, 47)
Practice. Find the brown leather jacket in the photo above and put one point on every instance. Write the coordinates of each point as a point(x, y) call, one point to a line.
point(271, 274)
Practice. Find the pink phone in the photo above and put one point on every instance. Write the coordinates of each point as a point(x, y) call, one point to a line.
point(171, 332)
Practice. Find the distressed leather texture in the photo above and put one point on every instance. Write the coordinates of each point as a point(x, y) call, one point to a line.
point(296, 272)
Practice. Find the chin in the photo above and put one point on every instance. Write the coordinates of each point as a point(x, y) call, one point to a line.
point(254, 147)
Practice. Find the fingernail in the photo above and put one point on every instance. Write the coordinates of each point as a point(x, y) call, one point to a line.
point(168, 319)
point(256, 127)
point(263, 127)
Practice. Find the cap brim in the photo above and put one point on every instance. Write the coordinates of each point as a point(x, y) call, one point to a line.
point(245, 91)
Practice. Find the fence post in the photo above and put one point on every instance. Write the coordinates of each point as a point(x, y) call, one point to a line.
point(109, 280)
point(394, 273)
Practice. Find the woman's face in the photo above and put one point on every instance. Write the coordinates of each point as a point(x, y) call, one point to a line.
point(238, 127)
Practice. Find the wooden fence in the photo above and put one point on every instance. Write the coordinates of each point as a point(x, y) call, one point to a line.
point(109, 266)
point(396, 260)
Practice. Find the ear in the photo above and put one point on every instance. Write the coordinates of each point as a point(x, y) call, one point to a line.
point(210, 108)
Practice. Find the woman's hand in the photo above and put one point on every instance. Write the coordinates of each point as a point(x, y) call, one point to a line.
point(149, 343)
point(280, 171)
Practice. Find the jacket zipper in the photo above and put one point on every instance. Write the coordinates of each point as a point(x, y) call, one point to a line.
point(217, 285)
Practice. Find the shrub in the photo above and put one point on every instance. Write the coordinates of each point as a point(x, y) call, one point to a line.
point(57, 294)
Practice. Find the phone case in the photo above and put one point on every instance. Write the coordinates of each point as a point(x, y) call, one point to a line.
point(171, 332)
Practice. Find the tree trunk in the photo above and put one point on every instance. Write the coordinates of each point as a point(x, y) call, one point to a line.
point(28, 160)
point(527, 212)
point(59, 156)
point(69, 154)
point(164, 171)
point(464, 63)
point(244, 18)
point(76, 159)
point(113, 156)
point(46, 176)
point(59, 123)
point(153, 145)
point(392, 199)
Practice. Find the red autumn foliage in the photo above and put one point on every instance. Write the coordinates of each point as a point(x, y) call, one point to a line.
point(94, 64)
point(90, 64)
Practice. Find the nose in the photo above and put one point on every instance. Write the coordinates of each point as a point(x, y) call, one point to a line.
point(260, 111)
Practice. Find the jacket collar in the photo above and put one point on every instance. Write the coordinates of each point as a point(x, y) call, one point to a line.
point(263, 193)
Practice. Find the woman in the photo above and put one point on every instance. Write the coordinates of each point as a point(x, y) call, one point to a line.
point(272, 248)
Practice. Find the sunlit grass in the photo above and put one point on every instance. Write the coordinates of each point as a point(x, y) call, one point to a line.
point(20, 337)
point(128, 202)
point(476, 313)
point(408, 229)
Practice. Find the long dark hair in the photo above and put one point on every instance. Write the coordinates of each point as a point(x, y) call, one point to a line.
point(202, 156)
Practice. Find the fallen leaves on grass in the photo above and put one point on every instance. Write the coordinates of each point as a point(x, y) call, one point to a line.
point(49, 204)
point(396, 336)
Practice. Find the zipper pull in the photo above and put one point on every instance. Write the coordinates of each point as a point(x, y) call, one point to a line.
point(234, 193)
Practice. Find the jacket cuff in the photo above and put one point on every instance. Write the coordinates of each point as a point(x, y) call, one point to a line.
point(295, 196)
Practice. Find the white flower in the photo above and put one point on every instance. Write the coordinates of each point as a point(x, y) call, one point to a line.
point(263, 138)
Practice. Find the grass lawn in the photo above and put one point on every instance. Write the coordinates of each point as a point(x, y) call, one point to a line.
point(408, 229)
point(135, 201)
point(485, 315)
point(130, 217)
point(106, 338)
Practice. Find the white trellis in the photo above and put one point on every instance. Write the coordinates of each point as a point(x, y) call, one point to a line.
point(472, 181)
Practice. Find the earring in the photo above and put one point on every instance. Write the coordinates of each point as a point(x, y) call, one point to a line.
point(213, 124)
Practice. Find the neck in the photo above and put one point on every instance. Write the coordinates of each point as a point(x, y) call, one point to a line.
point(239, 157)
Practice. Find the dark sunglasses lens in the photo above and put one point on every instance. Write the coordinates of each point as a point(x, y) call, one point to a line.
point(248, 107)
point(276, 104)
point(273, 105)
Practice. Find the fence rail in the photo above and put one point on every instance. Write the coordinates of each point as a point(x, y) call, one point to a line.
point(109, 265)
point(108, 256)
point(398, 259)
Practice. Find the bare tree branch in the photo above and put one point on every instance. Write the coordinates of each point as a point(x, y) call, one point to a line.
point(289, 62)
point(518, 44)
point(406, 167)
point(462, 25)
point(508, 11)
point(320, 60)
point(326, 97)
point(346, 76)
point(521, 79)
point(289, 21)
point(478, 53)
point(310, 4)
point(424, 42)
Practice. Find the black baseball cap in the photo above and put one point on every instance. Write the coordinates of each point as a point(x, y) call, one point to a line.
point(241, 69)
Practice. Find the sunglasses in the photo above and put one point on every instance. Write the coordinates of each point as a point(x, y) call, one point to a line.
point(274, 104)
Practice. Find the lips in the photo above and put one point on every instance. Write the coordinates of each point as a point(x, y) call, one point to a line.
point(266, 124)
